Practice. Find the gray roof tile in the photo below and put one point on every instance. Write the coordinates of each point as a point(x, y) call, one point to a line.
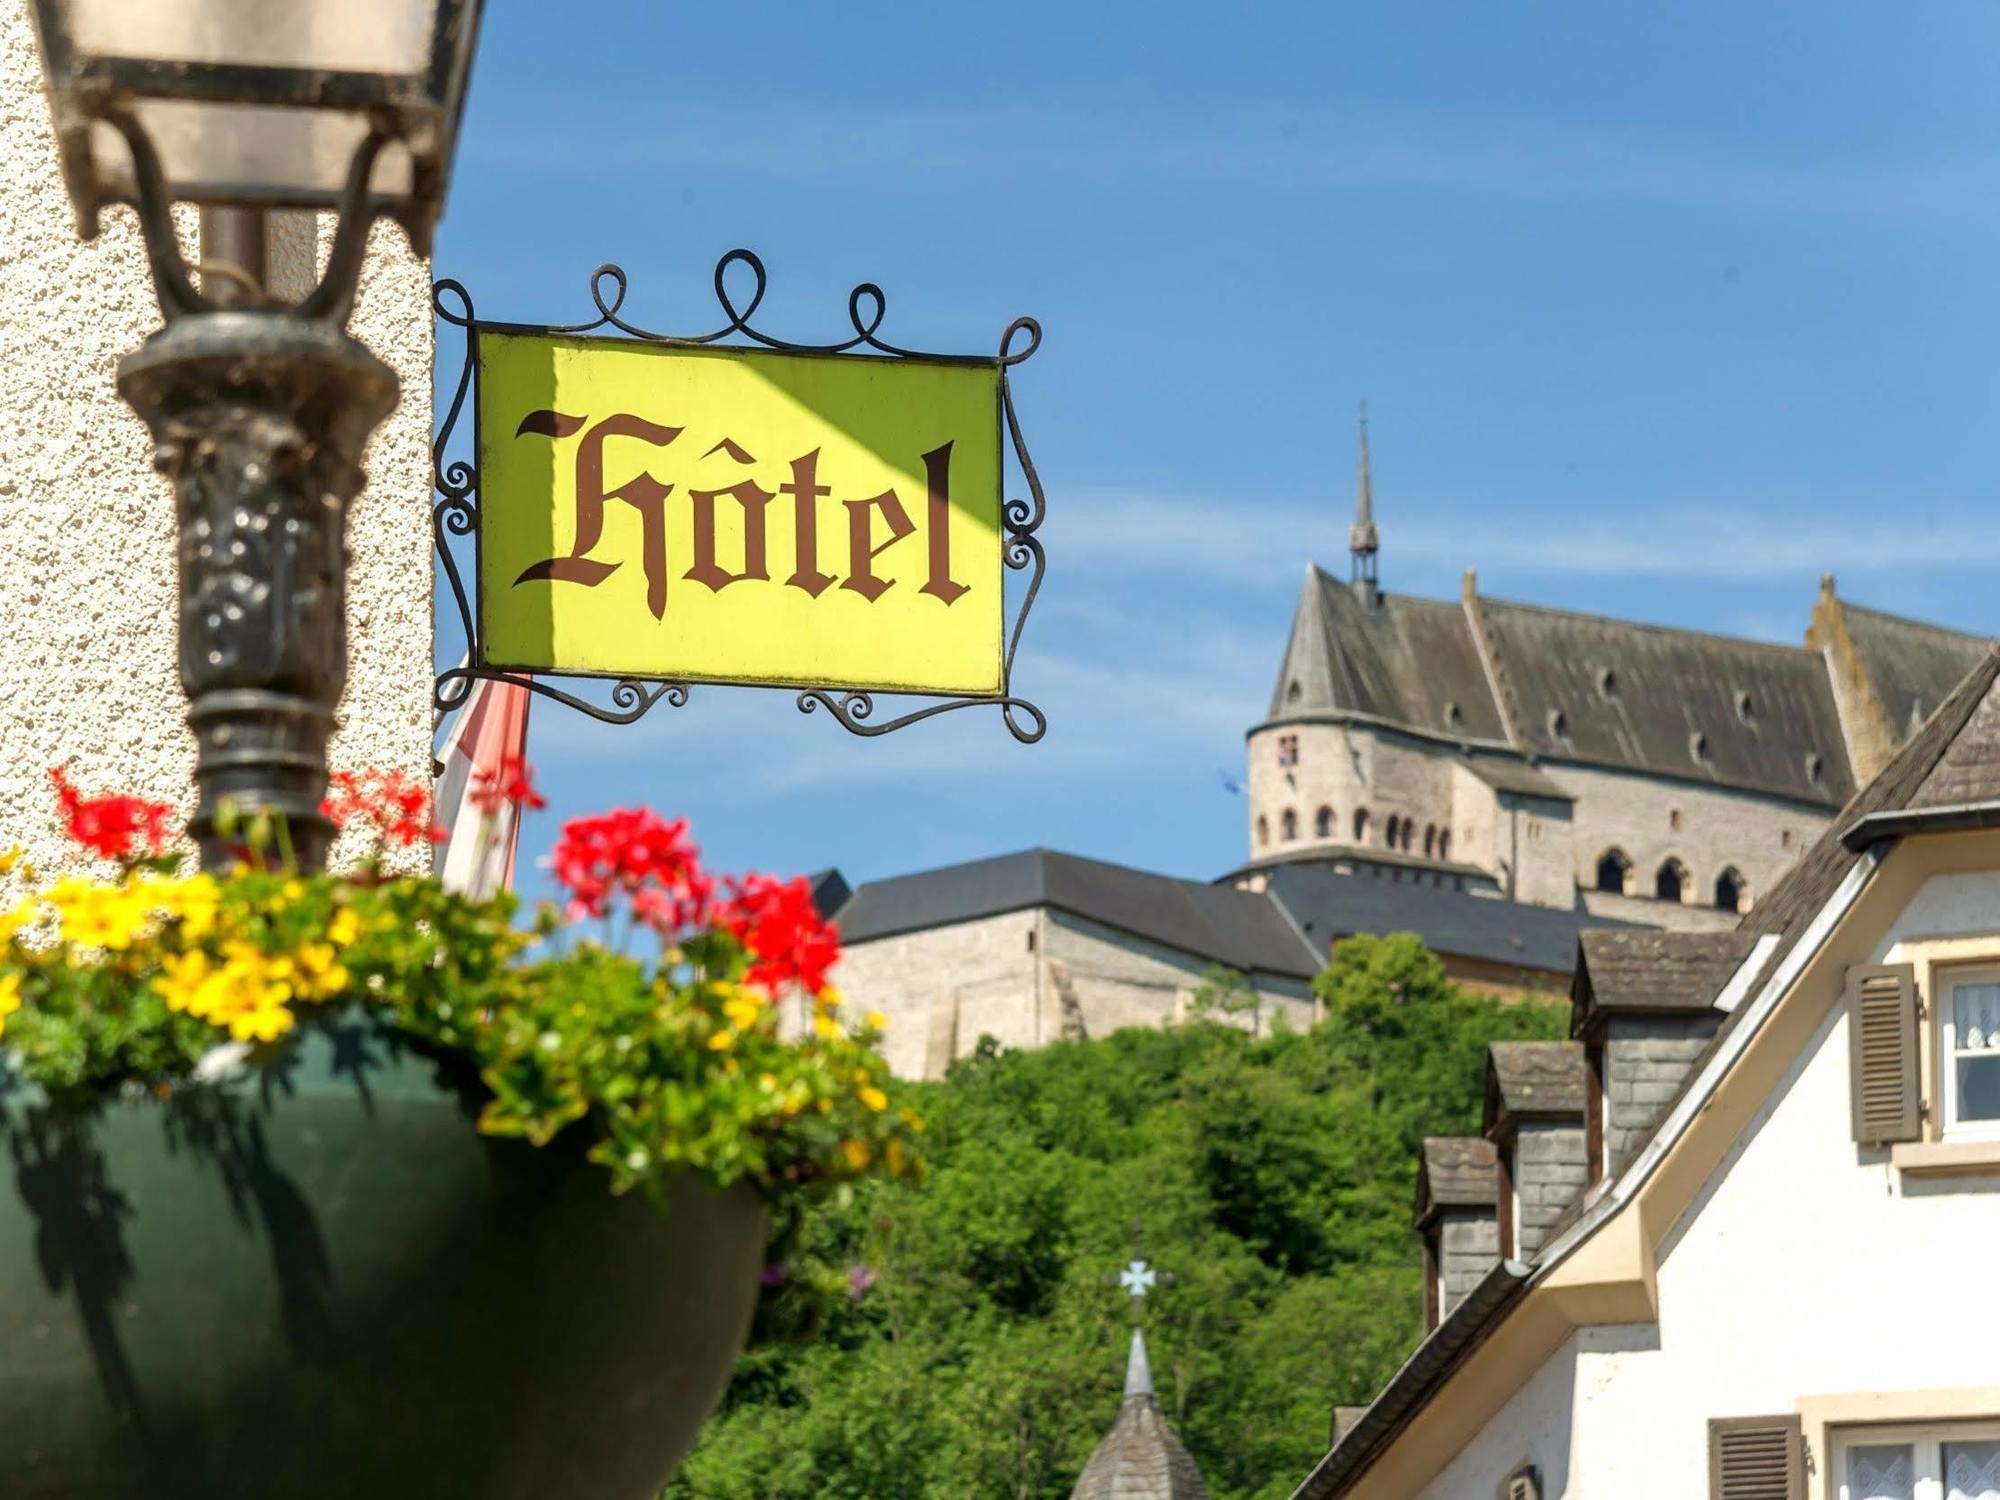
point(1457, 1172)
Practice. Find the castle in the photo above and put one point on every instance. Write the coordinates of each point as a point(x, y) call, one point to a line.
point(1497, 778)
point(1658, 776)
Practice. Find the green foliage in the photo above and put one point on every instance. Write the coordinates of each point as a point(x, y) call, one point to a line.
point(1274, 1178)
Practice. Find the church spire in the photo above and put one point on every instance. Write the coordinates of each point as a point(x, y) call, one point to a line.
point(1364, 540)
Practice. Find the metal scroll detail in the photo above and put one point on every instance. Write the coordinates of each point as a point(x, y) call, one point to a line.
point(455, 514)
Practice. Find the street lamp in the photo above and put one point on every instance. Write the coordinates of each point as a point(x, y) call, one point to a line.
point(259, 411)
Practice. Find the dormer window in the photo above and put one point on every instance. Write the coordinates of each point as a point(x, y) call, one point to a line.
point(1558, 724)
point(1454, 716)
point(1815, 767)
point(1293, 692)
point(1746, 708)
point(1698, 747)
point(1607, 683)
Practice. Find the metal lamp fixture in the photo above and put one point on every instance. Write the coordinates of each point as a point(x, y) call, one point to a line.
point(259, 411)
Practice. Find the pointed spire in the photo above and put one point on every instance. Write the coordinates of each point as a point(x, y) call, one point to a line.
point(1138, 1369)
point(1364, 539)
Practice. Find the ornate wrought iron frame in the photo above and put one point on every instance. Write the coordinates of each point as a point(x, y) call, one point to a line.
point(455, 512)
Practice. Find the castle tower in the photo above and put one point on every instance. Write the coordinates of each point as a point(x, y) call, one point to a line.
point(1363, 539)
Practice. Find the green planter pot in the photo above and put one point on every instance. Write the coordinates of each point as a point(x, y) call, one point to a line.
point(321, 1282)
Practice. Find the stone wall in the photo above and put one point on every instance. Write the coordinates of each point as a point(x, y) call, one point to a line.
point(1468, 1247)
point(1026, 979)
point(87, 671)
point(1646, 1059)
point(1550, 1168)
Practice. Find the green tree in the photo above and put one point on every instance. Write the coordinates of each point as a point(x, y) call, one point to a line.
point(976, 1348)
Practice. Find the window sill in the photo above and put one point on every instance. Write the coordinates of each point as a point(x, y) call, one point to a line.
point(1945, 1158)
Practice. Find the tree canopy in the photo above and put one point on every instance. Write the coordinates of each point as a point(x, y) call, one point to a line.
point(976, 1343)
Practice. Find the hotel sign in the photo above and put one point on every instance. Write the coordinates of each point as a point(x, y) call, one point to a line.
point(731, 515)
point(668, 511)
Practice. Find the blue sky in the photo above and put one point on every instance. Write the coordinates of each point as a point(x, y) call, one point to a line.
point(1659, 311)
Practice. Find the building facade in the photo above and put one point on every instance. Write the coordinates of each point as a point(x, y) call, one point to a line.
point(1739, 1271)
point(1665, 777)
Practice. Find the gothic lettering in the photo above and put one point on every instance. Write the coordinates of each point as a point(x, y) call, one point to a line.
point(937, 473)
point(861, 554)
point(805, 489)
point(642, 492)
point(752, 497)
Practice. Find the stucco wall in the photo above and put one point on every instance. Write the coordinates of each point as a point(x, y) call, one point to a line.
point(1028, 978)
point(1808, 1268)
point(87, 669)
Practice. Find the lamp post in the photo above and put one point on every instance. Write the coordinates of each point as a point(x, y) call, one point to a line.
point(259, 410)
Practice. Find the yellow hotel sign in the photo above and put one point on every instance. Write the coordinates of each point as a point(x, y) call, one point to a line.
point(697, 514)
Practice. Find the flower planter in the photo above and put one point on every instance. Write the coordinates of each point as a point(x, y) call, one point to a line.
point(322, 1282)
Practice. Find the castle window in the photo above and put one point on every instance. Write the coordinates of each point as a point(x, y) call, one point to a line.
point(1444, 843)
point(1674, 819)
point(1607, 683)
point(1430, 840)
point(1409, 833)
point(1288, 751)
point(1292, 693)
point(1746, 708)
point(1670, 880)
point(1558, 724)
point(1454, 716)
point(1323, 823)
point(1263, 830)
point(1698, 746)
point(1785, 839)
point(1732, 892)
point(1815, 768)
point(1614, 872)
point(1360, 825)
point(1288, 825)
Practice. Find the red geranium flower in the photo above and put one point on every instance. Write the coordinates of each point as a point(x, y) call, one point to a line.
point(512, 785)
point(635, 852)
point(398, 805)
point(789, 941)
point(111, 826)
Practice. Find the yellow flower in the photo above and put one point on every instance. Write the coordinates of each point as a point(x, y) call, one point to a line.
point(858, 1154)
point(10, 997)
point(181, 979)
point(874, 1098)
point(826, 1027)
point(897, 1158)
point(345, 928)
point(743, 1008)
point(830, 997)
point(263, 1022)
point(875, 1021)
point(722, 1041)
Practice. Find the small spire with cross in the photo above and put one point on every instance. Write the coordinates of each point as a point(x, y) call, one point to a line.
point(1140, 1276)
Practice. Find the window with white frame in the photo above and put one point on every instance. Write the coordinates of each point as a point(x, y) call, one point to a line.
point(1960, 1462)
point(1969, 1052)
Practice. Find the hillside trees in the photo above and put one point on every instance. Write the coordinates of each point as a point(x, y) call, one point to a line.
point(977, 1339)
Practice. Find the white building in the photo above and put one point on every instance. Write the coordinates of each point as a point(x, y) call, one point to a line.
point(1735, 1239)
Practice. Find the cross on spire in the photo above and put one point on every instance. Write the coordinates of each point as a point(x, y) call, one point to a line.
point(1139, 1276)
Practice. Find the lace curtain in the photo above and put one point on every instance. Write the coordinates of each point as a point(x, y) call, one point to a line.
point(1889, 1471)
point(1972, 1471)
point(1883, 1471)
point(1976, 1017)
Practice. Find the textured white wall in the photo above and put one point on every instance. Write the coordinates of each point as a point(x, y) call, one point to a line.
point(87, 667)
point(1807, 1268)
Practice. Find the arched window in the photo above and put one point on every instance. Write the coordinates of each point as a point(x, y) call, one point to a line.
point(1263, 830)
point(1360, 825)
point(1614, 872)
point(1732, 891)
point(1444, 843)
point(1392, 831)
point(1288, 825)
point(1409, 833)
point(1430, 840)
point(1670, 880)
point(1323, 823)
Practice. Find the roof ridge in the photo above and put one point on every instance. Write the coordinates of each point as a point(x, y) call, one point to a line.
point(1913, 622)
point(1653, 626)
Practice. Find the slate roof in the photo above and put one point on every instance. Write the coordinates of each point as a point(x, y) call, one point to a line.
point(1406, 661)
point(1654, 971)
point(1140, 1458)
point(1912, 666)
point(1505, 773)
point(1757, 710)
point(1328, 905)
point(1242, 929)
point(1457, 1172)
point(1533, 1078)
point(1586, 688)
